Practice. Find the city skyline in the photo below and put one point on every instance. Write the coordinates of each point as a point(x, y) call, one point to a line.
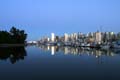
point(39, 18)
point(92, 36)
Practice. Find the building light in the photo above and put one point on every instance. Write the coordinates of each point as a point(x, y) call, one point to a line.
point(52, 37)
point(112, 33)
point(48, 39)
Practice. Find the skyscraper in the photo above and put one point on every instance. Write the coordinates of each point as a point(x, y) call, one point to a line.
point(98, 37)
point(52, 37)
point(66, 36)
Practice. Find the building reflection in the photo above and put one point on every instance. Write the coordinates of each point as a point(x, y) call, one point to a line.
point(80, 51)
point(52, 50)
point(48, 47)
point(14, 54)
point(66, 50)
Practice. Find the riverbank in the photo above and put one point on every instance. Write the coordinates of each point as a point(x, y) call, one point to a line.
point(12, 45)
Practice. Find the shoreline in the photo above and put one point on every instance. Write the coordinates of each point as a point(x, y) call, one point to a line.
point(12, 45)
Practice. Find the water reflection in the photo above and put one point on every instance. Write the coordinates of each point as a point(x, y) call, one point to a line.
point(53, 50)
point(80, 51)
point(14, 54)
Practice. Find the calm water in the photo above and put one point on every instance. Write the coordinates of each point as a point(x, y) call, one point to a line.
point(44, 62)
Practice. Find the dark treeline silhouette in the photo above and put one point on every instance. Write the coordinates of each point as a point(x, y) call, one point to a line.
point(13, 36)
point(14, 54)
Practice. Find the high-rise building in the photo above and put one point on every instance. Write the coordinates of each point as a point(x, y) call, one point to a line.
point(80, 35)
point(118, 36)
point(57, 38)
point(48, 39)
point(66, 37)
point(108, 36)
point(75, 36)
point(98, 37)
point(52, 37)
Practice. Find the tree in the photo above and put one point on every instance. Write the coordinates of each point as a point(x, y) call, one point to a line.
point(4, 37)
point(19, 36)
point(13, 36)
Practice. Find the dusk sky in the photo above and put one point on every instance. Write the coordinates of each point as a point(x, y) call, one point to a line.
point(41, 17)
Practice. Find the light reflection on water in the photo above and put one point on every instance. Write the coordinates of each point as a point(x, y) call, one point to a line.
point(53, 62)
point(79, 51)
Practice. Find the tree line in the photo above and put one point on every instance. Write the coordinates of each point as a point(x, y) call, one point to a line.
point(13, 36)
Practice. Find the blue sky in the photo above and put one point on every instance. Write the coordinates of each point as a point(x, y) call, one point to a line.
point(41, 17)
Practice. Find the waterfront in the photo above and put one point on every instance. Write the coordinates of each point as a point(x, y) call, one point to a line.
point(37, 62)
point(104, 40)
